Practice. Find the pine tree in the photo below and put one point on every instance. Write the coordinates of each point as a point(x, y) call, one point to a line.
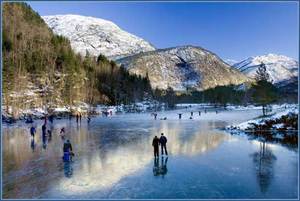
point(261, 73)
point(264, 91)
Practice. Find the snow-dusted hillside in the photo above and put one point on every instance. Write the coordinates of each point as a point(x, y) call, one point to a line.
point(97, 36)
point(183, 67)
point(279, 67)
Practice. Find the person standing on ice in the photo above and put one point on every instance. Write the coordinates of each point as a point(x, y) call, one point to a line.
point(155, 144)
point(68, 151)
point(32, 131)
point(46, 117)
point(180, 115)
point(163, 142)
point(44, 130)
point(77, 117)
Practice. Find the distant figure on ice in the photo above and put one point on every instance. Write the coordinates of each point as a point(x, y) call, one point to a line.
point(155, 144)
point(205, 111)
point(155, 115)
point(80, 117)
point(45, 119)
point(192, 113)
point(62, 130)
point(179, 115)
point(44, 130)
point(44, 136)
point(163, 142)
point(51, 118)
point(199, 113)
point(88, 119)
point(32, 131)
point(216, 111)
point(77, 117)
point(62, 133)
point(68, 151)
point(29, 120)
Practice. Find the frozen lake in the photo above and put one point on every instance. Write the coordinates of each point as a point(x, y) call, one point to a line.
point(114, 159)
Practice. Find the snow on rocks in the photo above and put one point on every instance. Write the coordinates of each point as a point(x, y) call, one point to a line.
point(279, 127)
point(279, 67)
point(287, 110)
point(97, 36)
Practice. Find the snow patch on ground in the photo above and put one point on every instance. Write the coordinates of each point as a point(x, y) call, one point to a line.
point(282, 110)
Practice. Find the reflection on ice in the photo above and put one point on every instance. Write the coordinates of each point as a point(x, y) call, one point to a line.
point(68, 169)
point(264, 165)
point(160, 169)
point(104, 168)
point(114, 159)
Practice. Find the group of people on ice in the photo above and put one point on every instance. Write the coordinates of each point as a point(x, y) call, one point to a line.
point(181, 114)
point(47, 134)
point(67, 146)
point(162, 141)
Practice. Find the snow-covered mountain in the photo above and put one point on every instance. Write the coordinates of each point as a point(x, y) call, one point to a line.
point(183, 67)
point(279, 67)
point(230, 61)
point(97, 36)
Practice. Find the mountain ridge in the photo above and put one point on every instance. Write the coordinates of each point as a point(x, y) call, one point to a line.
point(278, 66)
point(97, 36)
point(183, 67)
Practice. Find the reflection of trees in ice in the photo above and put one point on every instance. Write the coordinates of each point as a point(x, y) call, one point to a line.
point(105, 153)
point(264, 166)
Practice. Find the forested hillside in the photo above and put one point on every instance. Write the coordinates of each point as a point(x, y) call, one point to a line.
point(41, 70)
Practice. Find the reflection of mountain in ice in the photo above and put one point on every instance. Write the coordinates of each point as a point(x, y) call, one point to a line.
point(126, 159)
point(114, 159)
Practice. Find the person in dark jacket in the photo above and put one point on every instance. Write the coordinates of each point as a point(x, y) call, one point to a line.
point(51, 118)
point(163, 142)
point(179, 115)
point(68, 151)
point(77, 117)
point(155, 144)
point(67, 146)
point(44, 130)
point(32, 131)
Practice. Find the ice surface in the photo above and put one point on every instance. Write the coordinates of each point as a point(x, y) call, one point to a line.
point(114, 159)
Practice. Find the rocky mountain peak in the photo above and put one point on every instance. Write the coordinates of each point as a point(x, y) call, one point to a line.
point(97, 36)
point(183, 67)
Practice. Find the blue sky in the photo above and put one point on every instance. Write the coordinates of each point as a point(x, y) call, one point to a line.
point(233, 30)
